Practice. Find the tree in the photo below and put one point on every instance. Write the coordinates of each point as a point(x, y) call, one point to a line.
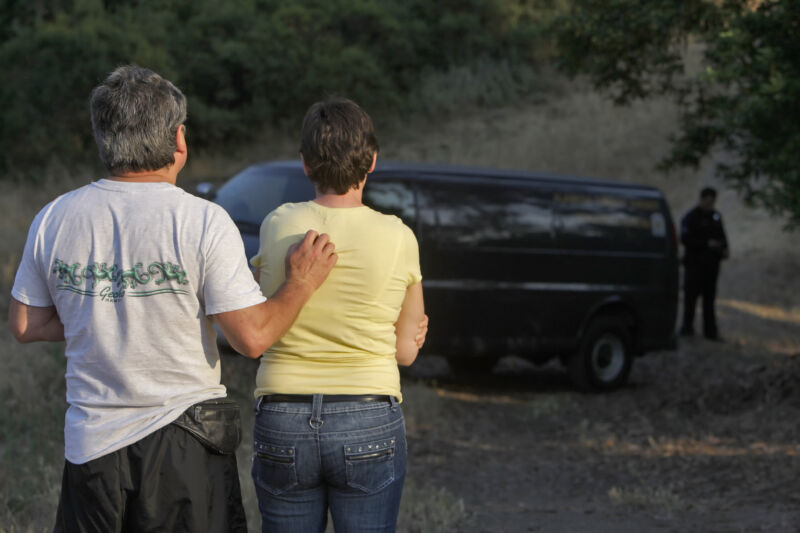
point(745, 101)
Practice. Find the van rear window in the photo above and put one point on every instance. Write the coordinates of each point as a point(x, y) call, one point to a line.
point(612, 221)
point(392, 198)
point(256, 191)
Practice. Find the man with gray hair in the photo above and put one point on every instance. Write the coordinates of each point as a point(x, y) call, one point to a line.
point(132, 272)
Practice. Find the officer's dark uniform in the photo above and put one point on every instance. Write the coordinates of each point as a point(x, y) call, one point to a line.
point(701, 266)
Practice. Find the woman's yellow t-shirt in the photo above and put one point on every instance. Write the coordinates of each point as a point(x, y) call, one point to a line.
point(343, 340)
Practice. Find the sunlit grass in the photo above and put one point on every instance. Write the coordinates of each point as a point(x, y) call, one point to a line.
point(767, 312)
point(688, 447)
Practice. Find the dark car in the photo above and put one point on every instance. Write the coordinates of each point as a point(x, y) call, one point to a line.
point(533, 265)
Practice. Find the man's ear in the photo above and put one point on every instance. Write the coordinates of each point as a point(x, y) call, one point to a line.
point(305, 167)
point(180, 139)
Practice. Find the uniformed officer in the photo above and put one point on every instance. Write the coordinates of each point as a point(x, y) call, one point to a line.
point(706, 245)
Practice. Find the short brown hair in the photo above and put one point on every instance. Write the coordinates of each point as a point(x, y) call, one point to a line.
point(337, 143)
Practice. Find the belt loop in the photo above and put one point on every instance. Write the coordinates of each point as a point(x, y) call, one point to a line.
point(394, 402)
point(316, 412)
point(257, 406)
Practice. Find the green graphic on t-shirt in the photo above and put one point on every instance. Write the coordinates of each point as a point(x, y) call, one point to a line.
point(121, 282)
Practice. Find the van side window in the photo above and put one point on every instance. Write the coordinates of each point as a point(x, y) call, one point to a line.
point(613, 221)
point(392, 198)
point(501, 214)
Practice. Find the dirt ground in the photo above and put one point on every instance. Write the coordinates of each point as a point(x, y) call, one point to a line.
point(704, 439)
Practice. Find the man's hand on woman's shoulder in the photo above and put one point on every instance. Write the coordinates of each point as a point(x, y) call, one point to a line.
point(253, 329)
point(310, 260)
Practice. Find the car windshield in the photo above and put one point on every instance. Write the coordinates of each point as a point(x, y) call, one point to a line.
point(252, 194)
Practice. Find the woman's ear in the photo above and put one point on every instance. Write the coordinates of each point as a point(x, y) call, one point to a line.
point(374, 160)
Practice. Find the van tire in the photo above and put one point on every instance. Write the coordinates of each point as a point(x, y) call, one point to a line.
point(604, 358)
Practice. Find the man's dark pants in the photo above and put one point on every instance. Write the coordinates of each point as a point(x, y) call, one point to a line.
point(700, 280)
point(167, 481)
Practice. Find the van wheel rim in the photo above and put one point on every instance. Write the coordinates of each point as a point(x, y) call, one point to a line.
point(608, 357)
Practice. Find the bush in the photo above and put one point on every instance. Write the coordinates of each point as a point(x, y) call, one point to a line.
point(247, 63)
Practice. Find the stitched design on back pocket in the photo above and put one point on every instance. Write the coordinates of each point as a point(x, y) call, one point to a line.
point(370, 465)
point(274, 467)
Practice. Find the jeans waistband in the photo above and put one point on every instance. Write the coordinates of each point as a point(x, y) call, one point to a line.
point(316, 401)
point(326, 398)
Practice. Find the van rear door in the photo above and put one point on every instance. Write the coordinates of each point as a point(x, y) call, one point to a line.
point(617, 244)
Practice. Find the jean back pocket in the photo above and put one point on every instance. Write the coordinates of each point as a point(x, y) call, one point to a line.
point(370, 465)
point(274, 467)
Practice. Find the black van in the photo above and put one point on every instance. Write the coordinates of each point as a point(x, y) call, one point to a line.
point(533, 265)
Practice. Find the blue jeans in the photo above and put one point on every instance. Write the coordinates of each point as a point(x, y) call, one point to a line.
point(349, 457)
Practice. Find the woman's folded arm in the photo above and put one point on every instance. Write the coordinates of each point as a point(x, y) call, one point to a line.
point(408, 325)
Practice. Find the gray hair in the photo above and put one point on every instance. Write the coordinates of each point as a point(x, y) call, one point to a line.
point(135, 117)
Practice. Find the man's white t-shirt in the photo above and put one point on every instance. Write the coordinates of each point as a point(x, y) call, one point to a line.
point(134, 270)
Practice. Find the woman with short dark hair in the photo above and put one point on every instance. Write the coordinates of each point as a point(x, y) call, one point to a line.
point(329, 430)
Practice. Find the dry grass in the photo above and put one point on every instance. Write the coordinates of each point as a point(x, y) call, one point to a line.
point(32, 387)
point(645, 498)
point(32, 393)
point(426, 507)
point(575, 132)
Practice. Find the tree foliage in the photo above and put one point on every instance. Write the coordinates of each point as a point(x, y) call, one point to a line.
point(241, 63)
point(745, 100)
